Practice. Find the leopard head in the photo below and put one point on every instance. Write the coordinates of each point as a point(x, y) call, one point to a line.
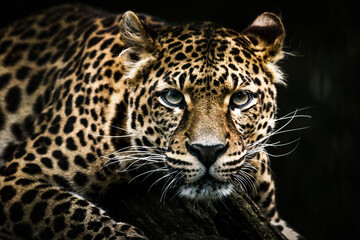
point(201, 98)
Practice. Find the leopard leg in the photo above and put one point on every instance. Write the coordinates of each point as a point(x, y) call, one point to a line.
point(36, 210)
point(285, 229)
point(264, 197)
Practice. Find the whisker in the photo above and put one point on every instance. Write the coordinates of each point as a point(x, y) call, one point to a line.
point(289, 117)
point(279, 144)
point(135, 157)
point(137, 166)
point(109, 136)
point(158, 180)
point(131, 158)
point(125, 150)
point(246, 173)
point(247, 179)
point(143, 156)
point(148, 172)
point(273, 133)
point(120, 128)
point(298, 110)
point(119, 136)
point(290, 130)
point(164, 168)
point(285, 154)
point(263, 164)
point(238, 181)
point(168, 187)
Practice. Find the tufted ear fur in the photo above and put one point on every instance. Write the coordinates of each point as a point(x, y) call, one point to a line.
point(267, 33)
point(138, 45)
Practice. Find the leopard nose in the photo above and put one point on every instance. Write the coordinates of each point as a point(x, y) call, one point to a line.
point(207, 154)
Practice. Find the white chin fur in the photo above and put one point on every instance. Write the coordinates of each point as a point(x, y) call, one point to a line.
point(206, 191)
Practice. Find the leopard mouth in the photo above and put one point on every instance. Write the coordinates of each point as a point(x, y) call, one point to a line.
point(206, 188)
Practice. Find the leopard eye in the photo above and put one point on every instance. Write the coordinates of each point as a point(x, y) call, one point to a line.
point(240, 99)
point(173, 98)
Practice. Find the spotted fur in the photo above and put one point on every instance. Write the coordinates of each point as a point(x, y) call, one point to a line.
point(84, 100)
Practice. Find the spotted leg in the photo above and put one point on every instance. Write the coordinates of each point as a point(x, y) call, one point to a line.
point(37, 210)
point(265, 196)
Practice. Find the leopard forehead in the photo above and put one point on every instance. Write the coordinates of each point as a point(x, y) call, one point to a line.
point(208, 58)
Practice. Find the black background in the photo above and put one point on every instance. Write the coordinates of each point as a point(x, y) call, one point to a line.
point(317, 182)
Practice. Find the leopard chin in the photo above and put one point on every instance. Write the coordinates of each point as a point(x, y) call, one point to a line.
point(206, 189)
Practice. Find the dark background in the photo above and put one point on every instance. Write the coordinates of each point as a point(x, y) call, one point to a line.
point(317, 182)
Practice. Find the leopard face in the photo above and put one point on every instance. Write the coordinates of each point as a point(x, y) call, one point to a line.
point(204, 99)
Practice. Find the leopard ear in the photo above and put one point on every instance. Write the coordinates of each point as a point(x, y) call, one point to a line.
point(138, 44)
point(267, 33)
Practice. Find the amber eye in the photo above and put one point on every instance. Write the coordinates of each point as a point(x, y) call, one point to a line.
point(240, 99)
point(173, 98)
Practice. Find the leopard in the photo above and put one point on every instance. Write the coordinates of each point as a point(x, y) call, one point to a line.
point(87, 95)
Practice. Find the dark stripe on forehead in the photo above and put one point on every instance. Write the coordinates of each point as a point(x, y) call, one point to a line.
point(235, 80)
point(182, 78)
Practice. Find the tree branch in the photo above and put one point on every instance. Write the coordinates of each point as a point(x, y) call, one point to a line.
point(236, 217)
